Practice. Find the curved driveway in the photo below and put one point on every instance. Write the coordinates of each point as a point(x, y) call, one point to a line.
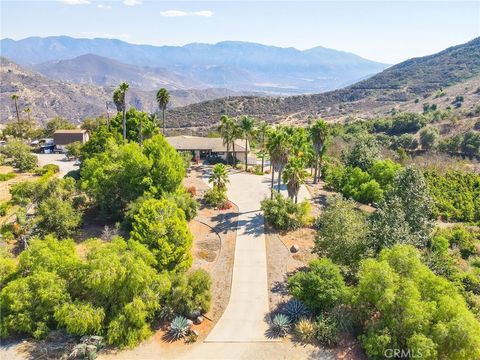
point(245, 318)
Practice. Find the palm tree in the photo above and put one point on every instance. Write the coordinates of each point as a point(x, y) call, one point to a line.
point(294, 175)
point(163, 98)
point(278, 146)
point(28, 111)
point(219, 177)
point(262, 129)
point(15, 101)
point(119, 96)
point(236, 133)
point(246, 130)
point(225, 129)
point(318, 134)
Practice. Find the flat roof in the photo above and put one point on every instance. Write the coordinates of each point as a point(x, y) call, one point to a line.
point(71, 131)
point(186, 142)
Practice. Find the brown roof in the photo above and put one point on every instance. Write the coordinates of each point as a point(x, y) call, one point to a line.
point(185, 142)
point(73, 131)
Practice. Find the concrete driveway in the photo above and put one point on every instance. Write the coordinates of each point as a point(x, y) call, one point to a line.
point(57, 159)
point(246, 316)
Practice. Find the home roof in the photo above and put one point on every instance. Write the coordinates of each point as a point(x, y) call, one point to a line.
point(186, 142)
point(72, 131)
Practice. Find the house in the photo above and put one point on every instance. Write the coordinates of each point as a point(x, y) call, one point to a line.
point(203, 147)
point(65, 137)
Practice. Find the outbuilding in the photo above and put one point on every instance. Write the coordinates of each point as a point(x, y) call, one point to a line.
point(65, 137)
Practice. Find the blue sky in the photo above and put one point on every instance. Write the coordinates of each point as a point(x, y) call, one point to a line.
point(386, 31)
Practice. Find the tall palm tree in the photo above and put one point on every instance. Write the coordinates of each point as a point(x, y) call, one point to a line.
point(318, 134)
point(262, 130)
point(15, 101)
point(219, 177)
point(163, 98)
point(119, 97)
point(247, 130)
point(278, 146)
point(225, 129)
point(294, 175)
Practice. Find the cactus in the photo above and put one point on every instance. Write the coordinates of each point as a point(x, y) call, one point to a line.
point(179, 327)
point(295, 310)
point(281, 324)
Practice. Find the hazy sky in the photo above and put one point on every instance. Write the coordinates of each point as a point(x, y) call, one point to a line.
point(386, 31)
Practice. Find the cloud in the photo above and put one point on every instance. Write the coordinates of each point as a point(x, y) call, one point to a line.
point(75, 2)
point(177, 13)
point(106, 7)
point(173, 13)
point(132, 2)
point(204, 13)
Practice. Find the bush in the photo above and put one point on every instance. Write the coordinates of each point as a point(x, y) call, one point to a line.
point(190, 293)
point(305, 331)
point(429, 138)
point(4, 206)
point(320, 287)
point(49, 168)
point(186, 202)
point(216, 197)
point(326, 331)
point(283, 214)
point(7, 176)
point(80, 318)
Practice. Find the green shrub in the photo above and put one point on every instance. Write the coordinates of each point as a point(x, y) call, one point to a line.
point(4, 206)
point(186, 202)
point(49, 168)
point(80, 318)
point(7, 176)
point(326, 331)
point(283, 214)
point(216, 197)
point(320, 287)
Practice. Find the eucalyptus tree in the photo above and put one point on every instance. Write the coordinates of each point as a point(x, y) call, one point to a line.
point(294, 176)
point(163, 98)
point(15, 101)
point(318, 133)
point(247, 130)
point(278, 146)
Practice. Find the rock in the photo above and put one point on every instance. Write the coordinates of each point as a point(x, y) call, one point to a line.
point(295, 248)
point(198, 320)
point(195, 332)
point(190, 322)
point(194, 314)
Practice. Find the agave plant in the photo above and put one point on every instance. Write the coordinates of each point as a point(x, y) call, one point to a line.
point(305, 330)
point(179, 327)
point(281, 324)
point(295, 310)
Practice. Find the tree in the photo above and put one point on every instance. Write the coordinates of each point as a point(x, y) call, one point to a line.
point(429, 138)
point(470, 144)
point(226, 131)
point(278, 146)
point(247, 130)
point(119, 98)
point(163, 98)
point(139, 124)
point(263, 129)
point(219, 177)
point(80, 318)
point(98, 141)
point(20, 154)
point(363, 154)
point(15, 101)
point(318, 133)
point(320, 287)
point(401, 304)
point(161, 225)
point(294, 176)
point(74, 149)
point(283, 214)
point(342, 233)
point(27, 303)
point(58, 216)
point(57, 123)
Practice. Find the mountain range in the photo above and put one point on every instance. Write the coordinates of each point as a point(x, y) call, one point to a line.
point(240, 66)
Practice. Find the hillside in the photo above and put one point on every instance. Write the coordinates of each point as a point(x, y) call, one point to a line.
point(398, 86)
point(99, 70)
point(229, 64)
point(48, 98)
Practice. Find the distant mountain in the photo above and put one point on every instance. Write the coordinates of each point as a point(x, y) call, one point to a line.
point(99, 70)
point(48, 98)
point(397, 86)
point(229, 64)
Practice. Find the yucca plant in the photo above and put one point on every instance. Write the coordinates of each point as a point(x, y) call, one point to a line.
point(179, 327)
point(305, 330)
point(281, 325)
point(295, 310)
